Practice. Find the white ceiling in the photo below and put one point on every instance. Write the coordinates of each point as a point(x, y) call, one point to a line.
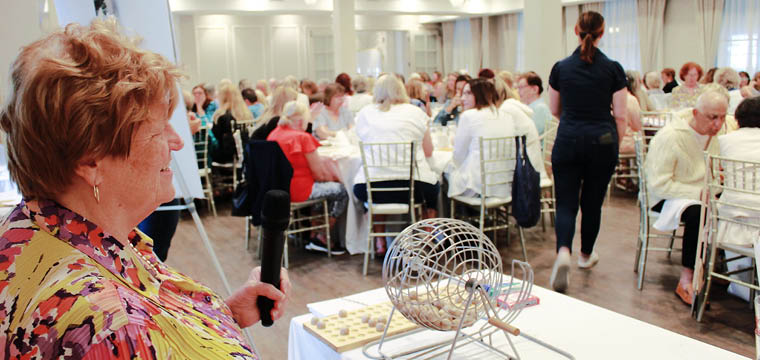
point(362, 7)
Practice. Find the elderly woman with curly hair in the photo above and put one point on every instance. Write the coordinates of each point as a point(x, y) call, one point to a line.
point(685, 96)
point(89, 145)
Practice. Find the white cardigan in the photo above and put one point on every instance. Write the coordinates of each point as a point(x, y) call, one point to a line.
point(403, 122)
point(509, 120)
point(675, 164)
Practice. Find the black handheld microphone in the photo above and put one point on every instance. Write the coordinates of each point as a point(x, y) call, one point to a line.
point(275, 217)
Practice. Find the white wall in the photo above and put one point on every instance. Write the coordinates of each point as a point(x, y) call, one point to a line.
point(19, 25)
point(213, 47)
point(679, 38)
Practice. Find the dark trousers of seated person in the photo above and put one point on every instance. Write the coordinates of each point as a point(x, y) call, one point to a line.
point(690, 218)
point(424, 193)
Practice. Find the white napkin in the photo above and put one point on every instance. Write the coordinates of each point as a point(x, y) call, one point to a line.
point(670, 215)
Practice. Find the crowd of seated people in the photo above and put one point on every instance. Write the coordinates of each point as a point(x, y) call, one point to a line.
point(299, 114)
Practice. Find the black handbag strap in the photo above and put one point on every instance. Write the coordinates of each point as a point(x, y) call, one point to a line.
point(521, 148)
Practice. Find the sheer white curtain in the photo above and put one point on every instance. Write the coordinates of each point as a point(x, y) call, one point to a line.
point(447, 46)
point(504, 39)
point(520, 65)
point(597, 6)
point(651, 21)
point(709, 19)
point(462, 48)
point(476, 33)
point(621, 37)
point(738, 42)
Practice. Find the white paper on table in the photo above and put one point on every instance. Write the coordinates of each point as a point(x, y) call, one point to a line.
point(330, 307)
point(340, 139)
point(670, 215)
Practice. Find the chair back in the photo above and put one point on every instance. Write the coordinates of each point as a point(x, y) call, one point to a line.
point(246, 127)
point(267, 168)
point(238, 148)
point(548, 137)
point(651, 122)
point(738, 182)
point(497, 166)
point(200, 142)
point(386, 161)
point(638, 144)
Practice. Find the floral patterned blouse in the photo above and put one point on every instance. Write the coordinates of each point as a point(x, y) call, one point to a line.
point(69, 290)
point(681, 98)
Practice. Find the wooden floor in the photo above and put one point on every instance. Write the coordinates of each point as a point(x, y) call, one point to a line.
point(611, 284)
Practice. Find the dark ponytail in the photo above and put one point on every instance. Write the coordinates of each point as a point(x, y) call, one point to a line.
point(590, 27)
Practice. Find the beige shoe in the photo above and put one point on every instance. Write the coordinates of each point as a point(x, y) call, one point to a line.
point(561, 272)
point(588, 264)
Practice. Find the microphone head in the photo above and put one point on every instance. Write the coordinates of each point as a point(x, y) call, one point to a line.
point(275, 210)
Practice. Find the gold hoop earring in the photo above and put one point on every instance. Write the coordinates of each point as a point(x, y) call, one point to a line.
point(96, 193)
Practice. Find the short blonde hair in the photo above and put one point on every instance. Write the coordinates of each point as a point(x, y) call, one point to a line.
point(292, 111)
point(727, 77)
point(359, 82)
point(79, 94)
point(415, 89)
point(502, 90)
point(230, 99)
point(652, 80)
point(508, 78)
point(280, 97)
point(389, 90)
point(263, 86)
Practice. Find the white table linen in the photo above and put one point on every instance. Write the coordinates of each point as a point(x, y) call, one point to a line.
point(342, 153)
point(584, 330)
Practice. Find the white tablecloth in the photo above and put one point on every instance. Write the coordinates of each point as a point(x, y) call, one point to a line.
point(347, 161)
point(584, 330)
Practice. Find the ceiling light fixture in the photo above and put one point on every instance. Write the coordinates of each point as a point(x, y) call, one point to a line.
point(457, 3)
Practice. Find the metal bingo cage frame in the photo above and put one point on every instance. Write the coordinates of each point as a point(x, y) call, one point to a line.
point(446, 275)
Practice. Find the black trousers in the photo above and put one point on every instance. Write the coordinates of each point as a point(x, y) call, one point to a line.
point(690, 218)
point(582, 167)
point(160, 226)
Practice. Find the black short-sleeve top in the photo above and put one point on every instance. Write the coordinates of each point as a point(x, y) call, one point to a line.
point(586, 92)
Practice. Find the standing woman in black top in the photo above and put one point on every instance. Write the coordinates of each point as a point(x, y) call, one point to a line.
point(587, 92)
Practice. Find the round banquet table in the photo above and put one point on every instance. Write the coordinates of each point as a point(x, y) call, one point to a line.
point(345, 159)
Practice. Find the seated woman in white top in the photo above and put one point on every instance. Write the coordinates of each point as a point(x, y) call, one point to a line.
point(361, 97)
point(481, 118)
point(335, 115)
point(741, 145)
point(392, 119)
point(523, 124)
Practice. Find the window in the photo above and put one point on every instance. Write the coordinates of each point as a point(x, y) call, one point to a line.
point(621, 37)
point(462, 47)
point(322, 64)
point(739, 36)
point(426, 53)
point(742, 51)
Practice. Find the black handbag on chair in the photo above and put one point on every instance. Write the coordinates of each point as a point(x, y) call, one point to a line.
point(526, 188)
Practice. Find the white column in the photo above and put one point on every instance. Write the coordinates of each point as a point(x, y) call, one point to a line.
point(19, 26)
point(572, 12)
point(344, 36)
point(542, 31)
